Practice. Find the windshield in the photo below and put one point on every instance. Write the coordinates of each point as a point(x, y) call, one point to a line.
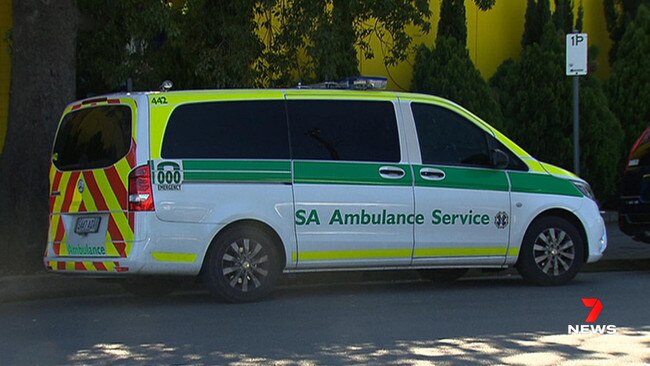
point(93, 138)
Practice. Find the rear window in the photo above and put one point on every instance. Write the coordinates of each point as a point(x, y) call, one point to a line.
point(93, 138)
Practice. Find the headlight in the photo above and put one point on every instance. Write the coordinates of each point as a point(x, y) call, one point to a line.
point(585, 189)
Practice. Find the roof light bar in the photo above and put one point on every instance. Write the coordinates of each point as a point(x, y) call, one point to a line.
point(351, 83)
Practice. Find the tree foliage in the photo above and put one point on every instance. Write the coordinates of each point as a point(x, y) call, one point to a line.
point(246, 43)
point(218, 43)
point(453, 22)
point(563, 15)
point(535, 97)
point(485, 5)
point(538, 13)
point(447, 70)
point(318, 39)
point(116, 42)
point(629, 84)
point(618, 14)
point(195, 43)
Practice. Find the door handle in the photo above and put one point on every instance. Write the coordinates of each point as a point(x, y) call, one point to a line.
point(432, 174)
point(391, 172)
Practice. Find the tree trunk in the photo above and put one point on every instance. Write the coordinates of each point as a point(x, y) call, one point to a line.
point(42, 83)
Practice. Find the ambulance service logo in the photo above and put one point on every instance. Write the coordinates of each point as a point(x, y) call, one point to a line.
point(501, 220)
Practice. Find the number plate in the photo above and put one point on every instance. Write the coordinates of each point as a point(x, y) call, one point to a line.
point(87, 225)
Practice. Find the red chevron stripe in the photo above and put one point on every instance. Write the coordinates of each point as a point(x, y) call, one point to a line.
point(121, 248)
point(117, 185)
point(54, 188)
point(95, 191)
point(69, 191)
point(57, 179)
point(113, 229)
point(51, 203)
point(60, 230)
point(60, 266)
point(79, 266)
point(57, 248)
point(100, 266)
point(131, 156)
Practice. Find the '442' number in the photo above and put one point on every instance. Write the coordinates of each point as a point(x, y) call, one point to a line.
point(159, 100)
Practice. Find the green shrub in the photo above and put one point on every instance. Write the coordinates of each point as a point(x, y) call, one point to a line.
point(448, 71)
point(536, 99)
point(629, 86)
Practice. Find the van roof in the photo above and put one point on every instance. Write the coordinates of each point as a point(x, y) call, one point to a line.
point(293, 91)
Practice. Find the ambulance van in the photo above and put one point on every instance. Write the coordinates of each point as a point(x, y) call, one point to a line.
point(237, 187)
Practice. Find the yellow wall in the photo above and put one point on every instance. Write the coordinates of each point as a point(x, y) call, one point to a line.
point(492, 37)
point(5, 68)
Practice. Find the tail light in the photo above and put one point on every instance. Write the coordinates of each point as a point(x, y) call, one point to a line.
point(631, 161)
point(140, 189)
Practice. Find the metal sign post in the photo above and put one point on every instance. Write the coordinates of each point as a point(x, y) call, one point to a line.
point(576, 65)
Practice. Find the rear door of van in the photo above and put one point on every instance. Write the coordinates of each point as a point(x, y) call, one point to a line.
point(94, 152)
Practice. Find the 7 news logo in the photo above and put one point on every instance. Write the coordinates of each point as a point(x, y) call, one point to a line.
point(596, 308)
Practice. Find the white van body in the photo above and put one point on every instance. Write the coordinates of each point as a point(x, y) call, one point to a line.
point(147, 184)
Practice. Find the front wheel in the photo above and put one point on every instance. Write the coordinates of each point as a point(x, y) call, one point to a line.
point(552, 252)
point(242, 265)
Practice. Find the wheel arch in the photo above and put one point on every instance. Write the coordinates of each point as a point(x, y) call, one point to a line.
point(572, 219)
point(277, 240)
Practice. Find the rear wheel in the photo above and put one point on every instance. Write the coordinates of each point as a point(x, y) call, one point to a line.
point(552, 252)
point(242, 265)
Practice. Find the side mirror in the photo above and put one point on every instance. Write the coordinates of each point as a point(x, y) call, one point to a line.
point(499, 159)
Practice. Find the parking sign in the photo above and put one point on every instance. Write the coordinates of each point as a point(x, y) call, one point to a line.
point(576, 54)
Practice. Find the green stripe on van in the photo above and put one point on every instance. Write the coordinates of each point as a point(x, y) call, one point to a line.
point(464, 178)
point(402, 253)
point(348, 173)
point(278, 171)
point(542, 184)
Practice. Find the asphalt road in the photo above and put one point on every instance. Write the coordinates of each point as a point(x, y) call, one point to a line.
point(497, 320)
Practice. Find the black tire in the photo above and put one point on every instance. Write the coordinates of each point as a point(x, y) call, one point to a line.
point(443, 276)
point(242, 265)
point(552, 252)
point(150, 287)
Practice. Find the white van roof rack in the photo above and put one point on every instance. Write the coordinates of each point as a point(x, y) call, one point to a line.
point(351, 83)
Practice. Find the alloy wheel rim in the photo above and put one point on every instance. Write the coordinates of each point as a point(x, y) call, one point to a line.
point(245, 264)
point(554, 251)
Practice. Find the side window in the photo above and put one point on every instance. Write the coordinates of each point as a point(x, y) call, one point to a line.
point(227, 130)
point(514, 162)
point(447, 138)
point(343, 130)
